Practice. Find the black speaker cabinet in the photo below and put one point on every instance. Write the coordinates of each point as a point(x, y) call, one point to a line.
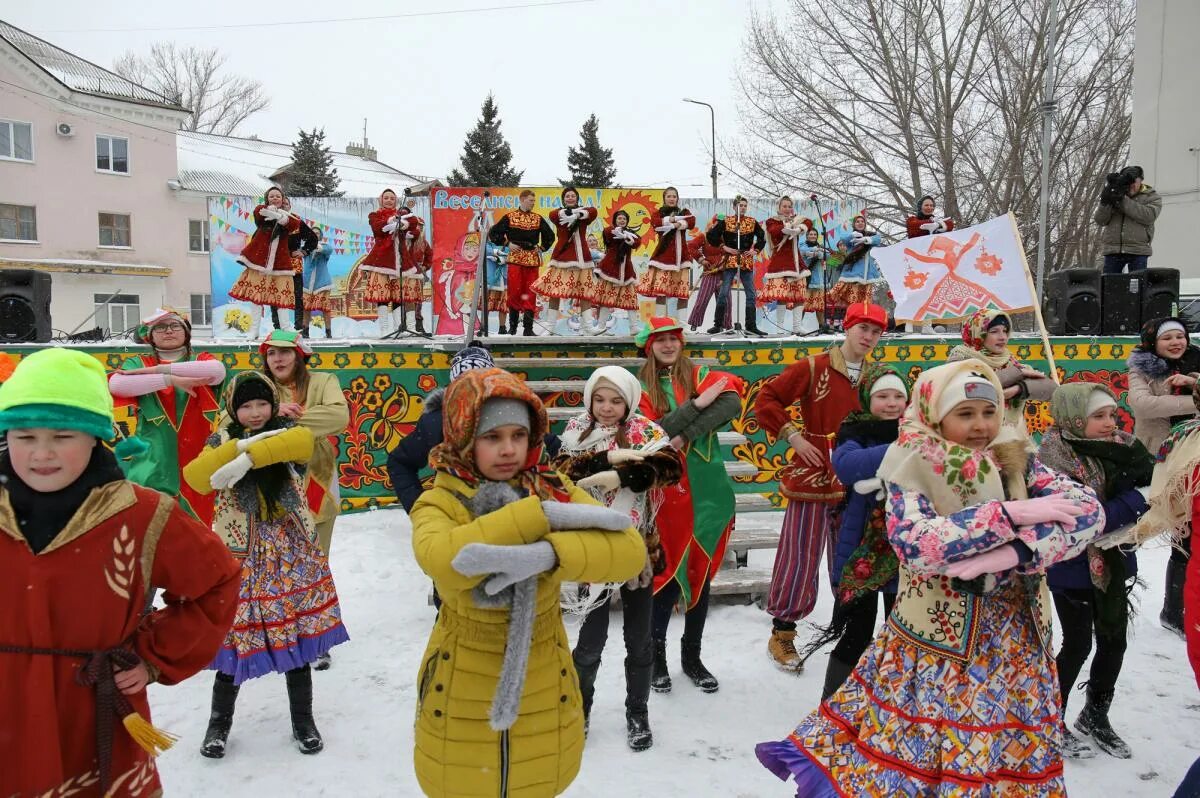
point(24, 306)
point(1121, 299)
point(1160, 293)
point(1071, 304)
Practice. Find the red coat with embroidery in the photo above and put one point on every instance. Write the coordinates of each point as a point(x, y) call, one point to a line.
point(571, 247)
point(671, 251)
point(914, 226)
point(709, 256)
point(87, 590)
point(820, 390)
point(266, 252)
point(617, 264)
point(382, 257)
point(785, 256)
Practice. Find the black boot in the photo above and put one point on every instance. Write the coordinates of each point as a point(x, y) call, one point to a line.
point(507, 321)
point(420, 326)
point(637, 694)
point(1093, 720)
point(304, 729)
point(526, 323)
point(689, 656)
point(836, 674)
point(587, 690)
point(752, 323)
point(1171, 616)
point(716, 328)
point(224, 696)
point(660, 680)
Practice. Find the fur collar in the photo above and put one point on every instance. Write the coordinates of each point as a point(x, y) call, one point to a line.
point(1148, 364)
point(433, 402)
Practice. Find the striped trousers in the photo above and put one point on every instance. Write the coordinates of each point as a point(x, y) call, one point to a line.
point(796, 577)
point(710, 284)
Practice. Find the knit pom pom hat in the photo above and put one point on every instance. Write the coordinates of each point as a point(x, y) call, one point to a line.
point(58, 389)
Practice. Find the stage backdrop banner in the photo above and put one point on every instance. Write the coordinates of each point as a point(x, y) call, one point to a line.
point(343, 225)
point(949, 276)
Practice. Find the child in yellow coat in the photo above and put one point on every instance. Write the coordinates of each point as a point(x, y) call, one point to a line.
point(498, 707)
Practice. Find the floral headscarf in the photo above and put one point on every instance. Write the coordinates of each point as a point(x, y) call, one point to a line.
point(974, 331)
point(461, 406)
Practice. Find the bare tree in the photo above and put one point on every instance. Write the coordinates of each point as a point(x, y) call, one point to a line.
point(192, 77)
point(883, 101)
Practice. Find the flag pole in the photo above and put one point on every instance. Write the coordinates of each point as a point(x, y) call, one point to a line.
point(1037, 305)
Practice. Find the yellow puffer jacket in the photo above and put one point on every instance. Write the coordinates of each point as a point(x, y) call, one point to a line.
point(457, 752)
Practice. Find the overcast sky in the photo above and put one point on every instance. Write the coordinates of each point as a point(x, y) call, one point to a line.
point(420, 80)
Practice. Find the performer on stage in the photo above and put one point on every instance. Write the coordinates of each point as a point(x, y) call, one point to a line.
point(266, 278)
point(415, 281)
point(614, 275)
point(860, 272)
point(710, 257)
point(388, 259)
point(814, 254)
point(670, 265)
point(527, 235)
point(318, 284)
point(569, 272)
point(496, 266)
point(925, 223)
point(300, 243)
point(786, 280)
point(741, 238)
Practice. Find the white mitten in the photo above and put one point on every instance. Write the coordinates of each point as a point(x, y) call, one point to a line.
point(681, 224)
point(665, 228)
point(565, 515)
point(605, 481)
point(507, 564)
point(930, 227)
point(404, 224)
point(618, 456)
point(229, 474)
point(244, 443)
point(857, 239)
point(390, 227)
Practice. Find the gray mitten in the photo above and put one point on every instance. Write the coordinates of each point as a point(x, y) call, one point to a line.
point(565, 515)
point(490, 497)
point(507, 564)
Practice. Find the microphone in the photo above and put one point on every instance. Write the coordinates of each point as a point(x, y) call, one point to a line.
point(487, 193)
point(813, 196)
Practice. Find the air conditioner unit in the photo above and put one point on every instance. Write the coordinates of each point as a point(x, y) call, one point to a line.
point(65, 129)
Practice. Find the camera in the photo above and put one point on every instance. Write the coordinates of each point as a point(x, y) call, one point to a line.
point(1116, 185)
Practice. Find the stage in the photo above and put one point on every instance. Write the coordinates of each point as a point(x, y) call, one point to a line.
point(386, 382)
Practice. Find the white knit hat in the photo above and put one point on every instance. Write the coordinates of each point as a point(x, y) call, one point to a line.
point(964, 386)
point(888, 381)
point(620, 380)
point(1099, 399)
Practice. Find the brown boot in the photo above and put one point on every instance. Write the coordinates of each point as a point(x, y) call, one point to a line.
point(782, 650)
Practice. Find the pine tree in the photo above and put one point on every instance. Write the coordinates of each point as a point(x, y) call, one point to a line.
point(486, 157)
point(591, 165)
point(313, 173)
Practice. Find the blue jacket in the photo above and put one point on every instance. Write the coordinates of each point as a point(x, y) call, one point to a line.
point(852, 461)
point(1119, 511)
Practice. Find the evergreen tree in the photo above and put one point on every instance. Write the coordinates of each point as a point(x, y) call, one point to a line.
point(312, 173)
point(591, 165)
point(486, 157)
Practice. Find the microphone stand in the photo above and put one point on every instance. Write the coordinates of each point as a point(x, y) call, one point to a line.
point(824, 327)
point(737, 260)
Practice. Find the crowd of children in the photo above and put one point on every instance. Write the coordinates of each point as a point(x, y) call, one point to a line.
point(933, 499)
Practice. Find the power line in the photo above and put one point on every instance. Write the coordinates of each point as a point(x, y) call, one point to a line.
point(283, 23)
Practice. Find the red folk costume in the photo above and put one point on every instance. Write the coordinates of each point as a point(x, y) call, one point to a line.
point(569, 272)
point(527, 235)
point(786, 278)
point(614, 274)
point(391, 255)
point(743, 234)
point(667, 272)
point(414, 283)
point(267, 275)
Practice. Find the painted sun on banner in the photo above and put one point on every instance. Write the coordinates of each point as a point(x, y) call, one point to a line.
point(949, 276)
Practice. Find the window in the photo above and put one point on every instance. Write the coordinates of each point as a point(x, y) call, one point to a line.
point(114, 230)
point(112, 155)
point(197, 235)
point(202, 310)
point(18, 223)
point(117, 312)
point(16, 140)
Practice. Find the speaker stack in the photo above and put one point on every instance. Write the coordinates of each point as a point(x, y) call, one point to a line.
point(1071, 304)
point(1084, 302)
point(24, 306)
point(1121, 298)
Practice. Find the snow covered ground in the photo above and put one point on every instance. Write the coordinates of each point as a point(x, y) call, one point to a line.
point(703, 744)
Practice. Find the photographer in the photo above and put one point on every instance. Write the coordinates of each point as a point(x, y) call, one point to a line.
point(1128, 208)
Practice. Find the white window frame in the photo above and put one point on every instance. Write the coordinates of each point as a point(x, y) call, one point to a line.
point(128, 155)
point(200, 320)
point(205, 243)
point(128, 216)
point(12, 141)
point(131, 320)
point(33, 240)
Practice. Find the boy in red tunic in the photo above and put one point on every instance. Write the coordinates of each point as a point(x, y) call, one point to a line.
point(823, 389)
point(527, 235)
point(81, 553)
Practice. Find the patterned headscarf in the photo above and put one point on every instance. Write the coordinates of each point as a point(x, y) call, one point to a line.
point(974, 331)
point(461, 407)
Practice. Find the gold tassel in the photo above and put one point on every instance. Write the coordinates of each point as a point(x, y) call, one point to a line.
point(152, 740)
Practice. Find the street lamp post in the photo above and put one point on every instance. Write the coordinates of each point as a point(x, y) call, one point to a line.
point(712, 115)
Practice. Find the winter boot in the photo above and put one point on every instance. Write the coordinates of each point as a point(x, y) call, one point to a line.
point(660, 680)
point(752, 322)
point(419, 324)
point(324, 662)
point(637, 695)
point(780, 318)
point(225, 693)
point(526, 324)
point(1093, 720)
point(384, 316)
point(836, 674)
point(552, 320)
point(601, 327)
point(304, 729)
point(1171, 616)
point(716, 329)
point(587, 689)
point(689, 657)
point(254, 330)
point(1074, 746)
point(782, 650)
point(514, 316)
point(637, 730)
point(797, 319)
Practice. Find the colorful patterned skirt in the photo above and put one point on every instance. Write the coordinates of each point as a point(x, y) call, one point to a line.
point(817, 299)
point(788, 290)
point(845, 294)
point(414, 290)
point(288, 612)
point(318, 300)
point(912, 723)
point(664, 283)
point(383, 289)
point(566, 282)
point(259, 288)
point(497, 300)
point(611, 295)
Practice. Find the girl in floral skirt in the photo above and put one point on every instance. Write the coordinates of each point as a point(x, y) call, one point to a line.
point(266, 279)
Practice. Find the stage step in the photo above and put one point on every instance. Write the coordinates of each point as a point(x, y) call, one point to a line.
point(753, 537)
point(754, 503)
point(737, 468)
point(752, 583)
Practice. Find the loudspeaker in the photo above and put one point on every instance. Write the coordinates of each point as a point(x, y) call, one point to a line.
point(1121, 299)
point(1160, 293)
point(1072, 302)
point(24, 306)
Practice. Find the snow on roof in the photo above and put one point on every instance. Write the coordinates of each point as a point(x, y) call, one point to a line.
point(212, 164)
point(69, 265)
point(78, 74)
